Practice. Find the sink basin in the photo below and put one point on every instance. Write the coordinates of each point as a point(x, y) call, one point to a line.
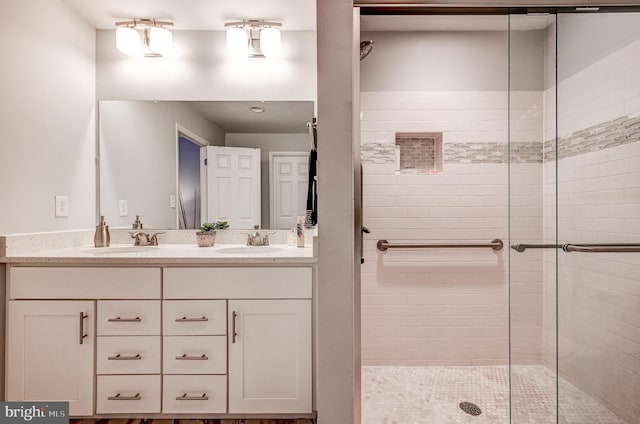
point(117, 250)
point(249, 250)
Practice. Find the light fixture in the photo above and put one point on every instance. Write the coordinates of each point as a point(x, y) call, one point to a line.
point(253, 38)
point(257, 109)
point(154, 40)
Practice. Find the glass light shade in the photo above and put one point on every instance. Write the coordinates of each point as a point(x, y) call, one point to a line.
point(270, 41)
point(238, 42)
point(128, 40)
point(160, 40)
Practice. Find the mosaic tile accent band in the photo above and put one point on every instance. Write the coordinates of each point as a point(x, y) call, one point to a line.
point(619, 131)
point(481, 152)
point(606, 135)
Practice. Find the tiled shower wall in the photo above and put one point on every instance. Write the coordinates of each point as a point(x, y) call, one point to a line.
point(598, 202)
point(450, 307)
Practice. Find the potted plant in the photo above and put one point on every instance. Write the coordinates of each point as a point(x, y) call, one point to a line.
point(206, 237)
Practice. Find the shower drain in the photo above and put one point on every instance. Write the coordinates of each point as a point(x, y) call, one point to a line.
point(470, 408)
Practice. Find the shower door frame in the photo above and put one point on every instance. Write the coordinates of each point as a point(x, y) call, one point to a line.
point(475, 7)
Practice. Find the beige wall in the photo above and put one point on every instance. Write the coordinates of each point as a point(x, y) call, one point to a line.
point(47, 109)
point(337, 364)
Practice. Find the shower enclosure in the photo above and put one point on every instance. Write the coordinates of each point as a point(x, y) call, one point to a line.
point(524, 127)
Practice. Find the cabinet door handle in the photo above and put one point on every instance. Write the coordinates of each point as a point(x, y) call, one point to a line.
point(118, 319)
point(185, 319)
point(82, 335)
point(119, 357)
point(119, 397)
point(185, 357)
point(234, 334)
point(185, 397)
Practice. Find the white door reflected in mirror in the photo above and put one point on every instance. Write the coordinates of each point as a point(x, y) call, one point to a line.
point(233, 186)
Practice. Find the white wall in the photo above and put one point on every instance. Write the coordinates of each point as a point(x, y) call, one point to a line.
point(453, 61)
point(451, 307)
point(199, 68)
point(431, 307)
point(138, 148)
point(47, 109)
point(268, 143)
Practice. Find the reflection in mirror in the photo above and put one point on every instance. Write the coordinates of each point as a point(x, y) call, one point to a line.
point(178, 164)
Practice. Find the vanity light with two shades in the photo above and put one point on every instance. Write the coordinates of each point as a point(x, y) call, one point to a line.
point(246, 38)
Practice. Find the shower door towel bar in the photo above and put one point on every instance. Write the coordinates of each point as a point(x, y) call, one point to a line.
point(384, 245)
point(601, 248)
point(589, 248)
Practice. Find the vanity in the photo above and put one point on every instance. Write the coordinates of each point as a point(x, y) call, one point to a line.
point(176, 331)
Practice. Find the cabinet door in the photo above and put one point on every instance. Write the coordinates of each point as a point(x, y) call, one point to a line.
point(47, 360)
point(269, 356)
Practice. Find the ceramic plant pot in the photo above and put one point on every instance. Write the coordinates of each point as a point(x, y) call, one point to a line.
point(206, 238)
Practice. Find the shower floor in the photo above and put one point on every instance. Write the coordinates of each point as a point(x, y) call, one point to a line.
point(416, 395)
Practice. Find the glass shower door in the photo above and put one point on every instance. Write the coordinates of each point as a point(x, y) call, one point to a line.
point(597, 159)
point(532, 265)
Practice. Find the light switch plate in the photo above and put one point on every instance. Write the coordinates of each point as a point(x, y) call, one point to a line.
point(172, 201)
point(123, 207)
point(62, 206)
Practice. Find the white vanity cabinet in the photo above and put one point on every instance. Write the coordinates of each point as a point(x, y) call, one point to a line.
point(50, 353)
point(270, 356)
point(269, 333)
point(51, 335)
point(162, 340)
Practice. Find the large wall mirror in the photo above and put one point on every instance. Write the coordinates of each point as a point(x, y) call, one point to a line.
point(181, 163)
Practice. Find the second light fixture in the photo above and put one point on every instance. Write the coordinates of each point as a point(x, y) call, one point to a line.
point(253, 38)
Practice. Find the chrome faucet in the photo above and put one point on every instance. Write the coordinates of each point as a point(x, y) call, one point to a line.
point(257, 239)
point(144, 239)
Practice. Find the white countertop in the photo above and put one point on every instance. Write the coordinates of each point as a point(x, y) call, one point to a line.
point(169, 254)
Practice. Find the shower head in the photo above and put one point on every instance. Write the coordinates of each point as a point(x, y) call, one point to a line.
point(365, 48)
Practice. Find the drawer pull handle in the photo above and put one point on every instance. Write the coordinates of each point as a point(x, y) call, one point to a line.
point(185, 319)
point(192, 358)
point(119, 357)
point(82, 335)
point(118, 319)
point(119, 397)
point(185, 397)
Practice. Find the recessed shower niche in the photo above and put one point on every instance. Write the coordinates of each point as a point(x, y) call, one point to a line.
point(419, 153)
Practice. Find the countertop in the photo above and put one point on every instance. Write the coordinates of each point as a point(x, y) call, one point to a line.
point(168, 255)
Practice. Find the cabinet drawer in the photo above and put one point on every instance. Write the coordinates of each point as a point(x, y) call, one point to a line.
point(193, 394)
point(194, 354)
point(195, 317)
point(128, 318)
point(84, 283)
point(128, 394)
point(238, 283)
point(128, 355)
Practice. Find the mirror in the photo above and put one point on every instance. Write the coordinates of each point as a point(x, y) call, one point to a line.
point(152, 161)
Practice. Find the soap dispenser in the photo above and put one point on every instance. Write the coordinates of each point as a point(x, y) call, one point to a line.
point(137, 224)
point(102, 237)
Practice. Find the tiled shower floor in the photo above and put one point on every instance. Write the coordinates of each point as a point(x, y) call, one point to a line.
point(416, 395)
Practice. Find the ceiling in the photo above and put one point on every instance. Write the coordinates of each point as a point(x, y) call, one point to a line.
point(278, 118)
point(453, 22)
point(295, 15)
